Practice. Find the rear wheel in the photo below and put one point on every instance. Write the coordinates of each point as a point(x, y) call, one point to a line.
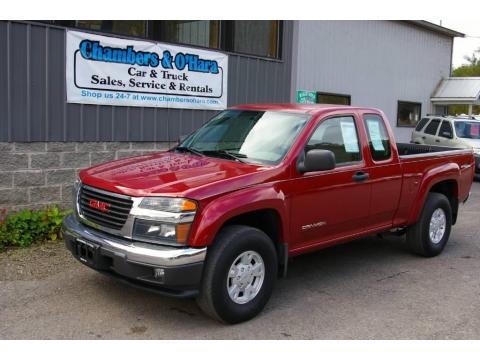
point(430, 234)
point(239, 274)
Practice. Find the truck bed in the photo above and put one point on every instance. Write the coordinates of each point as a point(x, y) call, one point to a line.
point(417, 150)
point(418, 161)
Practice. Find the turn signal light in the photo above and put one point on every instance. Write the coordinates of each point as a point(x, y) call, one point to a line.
point(189, 205)
point(182, 233)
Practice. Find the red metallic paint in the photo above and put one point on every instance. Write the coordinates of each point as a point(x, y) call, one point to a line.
point(393, 196)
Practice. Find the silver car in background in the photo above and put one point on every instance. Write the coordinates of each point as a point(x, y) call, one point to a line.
point(453, 132)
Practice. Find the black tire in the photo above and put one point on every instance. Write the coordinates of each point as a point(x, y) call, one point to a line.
point(232, 241)
point(418, 235)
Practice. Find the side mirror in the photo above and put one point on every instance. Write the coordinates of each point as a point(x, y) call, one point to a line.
point(181, 138)
point(316, 160)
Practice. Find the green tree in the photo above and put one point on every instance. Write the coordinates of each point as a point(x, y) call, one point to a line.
point(470, 69)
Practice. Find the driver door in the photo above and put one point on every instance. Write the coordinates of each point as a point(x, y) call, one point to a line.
point(330, 205)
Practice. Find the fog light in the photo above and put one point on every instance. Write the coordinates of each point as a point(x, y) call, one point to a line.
point(159, 274)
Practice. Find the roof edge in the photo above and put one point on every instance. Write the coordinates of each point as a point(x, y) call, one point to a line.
point(436, 28)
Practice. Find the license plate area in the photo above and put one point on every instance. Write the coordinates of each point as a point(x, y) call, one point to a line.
point(86, 252)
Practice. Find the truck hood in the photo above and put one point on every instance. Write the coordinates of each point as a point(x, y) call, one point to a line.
point(174, 174)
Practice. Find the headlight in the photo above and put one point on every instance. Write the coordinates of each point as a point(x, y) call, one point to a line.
point(164, 219)
point(167, 204)
point(175, 234)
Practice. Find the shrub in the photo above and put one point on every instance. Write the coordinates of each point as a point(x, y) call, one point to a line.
point(25, 227)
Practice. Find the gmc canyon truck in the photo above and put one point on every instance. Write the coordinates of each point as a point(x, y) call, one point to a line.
point(218, 216)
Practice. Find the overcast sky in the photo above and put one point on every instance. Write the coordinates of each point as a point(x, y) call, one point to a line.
point(463, 46)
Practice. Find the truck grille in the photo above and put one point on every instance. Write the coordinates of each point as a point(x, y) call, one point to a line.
point(104, 208)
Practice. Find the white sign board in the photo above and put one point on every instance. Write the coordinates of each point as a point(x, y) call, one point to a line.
point(349, 135)
point(112, 71)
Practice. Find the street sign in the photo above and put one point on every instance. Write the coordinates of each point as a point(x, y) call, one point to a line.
point(306, 97)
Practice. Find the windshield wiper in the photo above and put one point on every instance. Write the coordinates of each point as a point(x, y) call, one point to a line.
point(189, 149)
point(235, 156)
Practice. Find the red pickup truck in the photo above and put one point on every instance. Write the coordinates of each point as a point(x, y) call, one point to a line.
point(218, 216)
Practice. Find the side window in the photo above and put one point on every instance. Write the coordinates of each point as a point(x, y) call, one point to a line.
point(446, 130)
point(340, 136)
point(378, 138)
point(421, 124)
point(431, 128)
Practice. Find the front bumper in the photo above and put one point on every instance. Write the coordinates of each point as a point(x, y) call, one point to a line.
point(167, 270)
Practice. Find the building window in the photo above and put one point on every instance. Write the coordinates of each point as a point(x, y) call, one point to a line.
point(205, 33)
point(337, 99)
point(408, 113)
point(137, 28)
point(254, 37)
point(250, 37)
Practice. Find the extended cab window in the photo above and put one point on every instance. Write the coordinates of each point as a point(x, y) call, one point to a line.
point(431, 128)
point(378, 138)
point(339, 135)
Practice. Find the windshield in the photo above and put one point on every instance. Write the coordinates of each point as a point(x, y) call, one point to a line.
point(467, 129)
point(262, 137)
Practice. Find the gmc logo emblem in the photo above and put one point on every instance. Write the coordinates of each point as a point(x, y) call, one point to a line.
point(99, 205)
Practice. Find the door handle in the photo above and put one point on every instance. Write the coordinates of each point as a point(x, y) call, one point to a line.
point(437, 140)
point(360, 176)
point(424, 137)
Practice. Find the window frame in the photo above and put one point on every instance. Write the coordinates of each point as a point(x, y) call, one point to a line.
point(438, 127)
point(411, 103)
point(361, 161)
point(424, 125)
point(439, 134)
point(320, 93)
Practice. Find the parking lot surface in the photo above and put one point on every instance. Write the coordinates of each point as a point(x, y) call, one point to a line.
point(372, 288)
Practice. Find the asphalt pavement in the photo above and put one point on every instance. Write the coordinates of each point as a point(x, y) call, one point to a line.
point(371, 288)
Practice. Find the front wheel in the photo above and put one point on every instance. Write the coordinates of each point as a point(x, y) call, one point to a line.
point(239, 274)
point(430, 234)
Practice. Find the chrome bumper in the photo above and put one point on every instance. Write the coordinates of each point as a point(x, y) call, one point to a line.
point(159, 268)
point(144, 253)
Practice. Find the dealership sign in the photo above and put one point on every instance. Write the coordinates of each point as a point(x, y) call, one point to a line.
point(112, 71)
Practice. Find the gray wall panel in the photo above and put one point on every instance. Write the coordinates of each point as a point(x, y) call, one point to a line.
point(74, 129)
point(378, 63)
point(90, 121)
point(38, 80)
point(36, 101)
point(18, 82)
point(56, 95)
point(4, 83)
point(148, 116)
point(104, 122)
point(120, 126)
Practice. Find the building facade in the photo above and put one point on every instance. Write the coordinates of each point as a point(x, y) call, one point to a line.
point(45, 138)
point(391, 65)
